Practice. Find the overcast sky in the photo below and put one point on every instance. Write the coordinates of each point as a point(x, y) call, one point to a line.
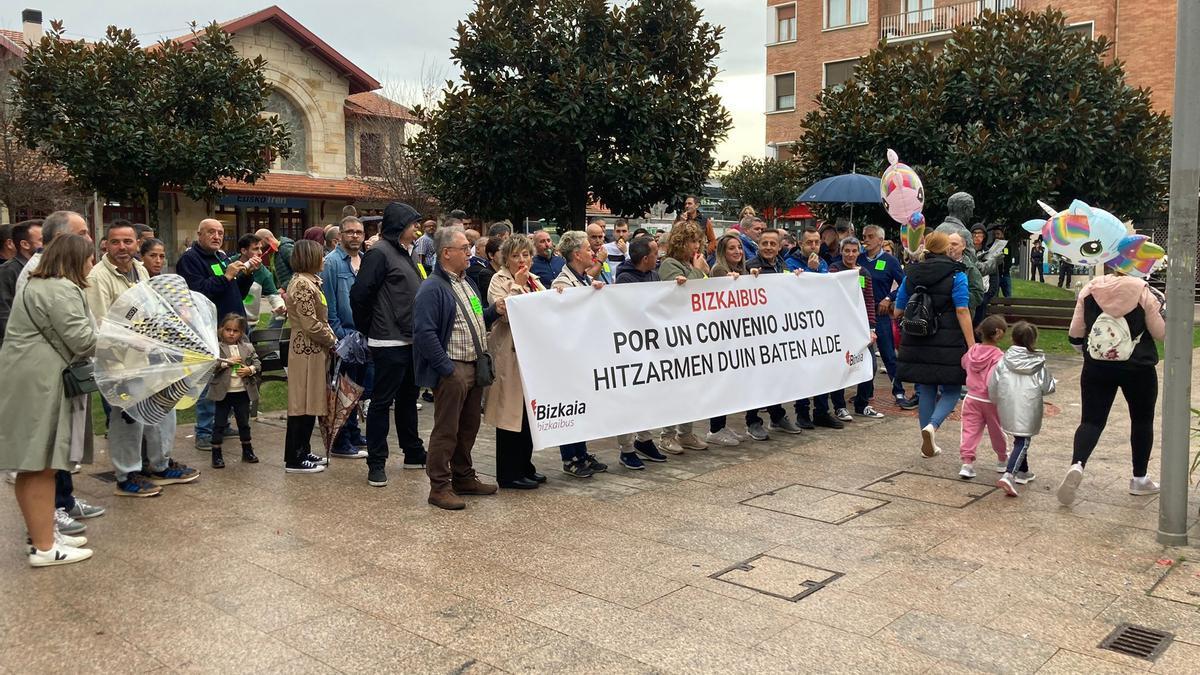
point(389, 39)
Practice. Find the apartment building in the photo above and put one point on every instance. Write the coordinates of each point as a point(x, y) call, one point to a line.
point(812, 44)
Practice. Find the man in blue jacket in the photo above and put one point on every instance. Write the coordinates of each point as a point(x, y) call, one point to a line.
point(807, 258)
point(446, 345)
point(225, 281)
point(546, 263)
point(886, 272)
point(337, 278)
point(382, 303)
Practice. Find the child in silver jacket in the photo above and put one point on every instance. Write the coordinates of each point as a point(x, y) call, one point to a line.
point(1016, 388)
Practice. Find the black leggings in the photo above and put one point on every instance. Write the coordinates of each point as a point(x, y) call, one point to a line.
point(1098, 387)
point(298, 442)
point(237, 402)
point(514, 453)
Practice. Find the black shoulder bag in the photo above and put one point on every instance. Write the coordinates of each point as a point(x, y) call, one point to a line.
point(78, 378)
point(485, 373)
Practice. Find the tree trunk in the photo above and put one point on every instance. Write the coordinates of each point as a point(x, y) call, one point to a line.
point(577, 193)
point(150, 197)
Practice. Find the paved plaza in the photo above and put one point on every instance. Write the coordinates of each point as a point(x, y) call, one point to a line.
point(835, 551)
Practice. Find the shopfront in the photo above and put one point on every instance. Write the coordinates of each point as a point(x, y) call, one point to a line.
point(242, 214)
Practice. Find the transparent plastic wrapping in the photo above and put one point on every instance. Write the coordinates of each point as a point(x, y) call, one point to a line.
point(156, 348)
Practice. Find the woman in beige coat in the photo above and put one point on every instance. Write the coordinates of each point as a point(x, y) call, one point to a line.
point(50, 328)
point(506, 399)
point(308, 358)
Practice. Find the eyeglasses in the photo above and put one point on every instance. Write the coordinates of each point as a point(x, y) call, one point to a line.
point(464, 248)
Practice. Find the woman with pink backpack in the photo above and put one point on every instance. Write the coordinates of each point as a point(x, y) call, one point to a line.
point(1117, 319)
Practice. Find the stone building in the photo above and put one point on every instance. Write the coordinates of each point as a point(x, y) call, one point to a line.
point(812, 44)
point(342, 130)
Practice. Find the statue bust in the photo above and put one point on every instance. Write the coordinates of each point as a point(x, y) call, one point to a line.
point(960, 207)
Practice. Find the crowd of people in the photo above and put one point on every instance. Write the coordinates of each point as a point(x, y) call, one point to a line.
point(427, 298)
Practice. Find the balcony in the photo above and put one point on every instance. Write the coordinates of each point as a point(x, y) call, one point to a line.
point(921, 23)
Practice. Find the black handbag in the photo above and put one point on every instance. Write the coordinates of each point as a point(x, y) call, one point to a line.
point(485, 372)
point(78, 378)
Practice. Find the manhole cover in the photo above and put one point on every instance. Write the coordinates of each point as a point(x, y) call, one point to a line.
point(812, 503)
point(777, 577)
point(920, 487)
point(1181, 583)
point(1137, 641)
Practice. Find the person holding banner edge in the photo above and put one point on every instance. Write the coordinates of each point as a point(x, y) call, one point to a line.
point(506, 400)
point(730, 262)
point(574, 247)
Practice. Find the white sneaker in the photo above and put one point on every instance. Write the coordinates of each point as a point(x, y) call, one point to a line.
point(868, 411)
point(670, 445)
point(1025, 477)
point(843, 415)
point(1001, 467)
point(929, 448)
point(692, 442)
point(739, 435)
point(58, 555)
point(1142, 486)
point(1006, 483)
point(721, 438)
point(1070, 483)
point(10, 477)
point(967, 471)
point(61, 540)
point(420, 405)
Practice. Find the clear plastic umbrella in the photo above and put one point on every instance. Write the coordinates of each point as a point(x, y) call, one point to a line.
point(156, 348)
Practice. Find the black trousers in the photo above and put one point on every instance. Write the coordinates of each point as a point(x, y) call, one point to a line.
point(394, 383)
point(64, 490)
point(514, 453)
point(776, 412)
point(297, 442)
point(1098, 387)
point(237, 402)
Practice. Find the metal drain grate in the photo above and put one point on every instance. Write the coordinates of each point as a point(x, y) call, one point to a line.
point(1137, 641)
point(106, 476)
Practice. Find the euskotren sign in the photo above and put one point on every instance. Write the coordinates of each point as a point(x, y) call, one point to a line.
point(626, 358)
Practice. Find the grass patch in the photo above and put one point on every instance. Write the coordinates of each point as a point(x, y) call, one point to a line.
point(1023, 288)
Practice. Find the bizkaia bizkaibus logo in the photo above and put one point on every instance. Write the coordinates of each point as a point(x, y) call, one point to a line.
point(556, 415)
point(854, 359)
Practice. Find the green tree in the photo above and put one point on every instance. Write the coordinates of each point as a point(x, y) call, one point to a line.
point(564, 101)
point(1014, 109)
point(764, 183)
point(127, 121)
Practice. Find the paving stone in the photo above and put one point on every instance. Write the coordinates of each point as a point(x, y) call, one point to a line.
point(970, 645)
point(931, 489)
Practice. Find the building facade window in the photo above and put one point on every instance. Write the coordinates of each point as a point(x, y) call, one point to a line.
point(918, 10)
point(370, 154)
point(785, 23)
point(840, 13)
point(351, 134)
point(784, 95)
point(1084, 29)
point(837, 73)
point(291, 115)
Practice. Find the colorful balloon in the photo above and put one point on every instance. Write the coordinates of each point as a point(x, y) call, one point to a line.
point(903, 195)
point(1090, 236)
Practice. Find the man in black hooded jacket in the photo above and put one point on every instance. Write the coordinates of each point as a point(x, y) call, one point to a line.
point(382, 303)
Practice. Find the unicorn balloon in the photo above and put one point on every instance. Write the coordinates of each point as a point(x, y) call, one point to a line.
point(904, 196)
point(1091, 236)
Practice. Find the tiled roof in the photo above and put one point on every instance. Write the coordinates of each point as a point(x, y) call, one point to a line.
point(373, 105)
point(14, 35)
point(13, 42)
point(296, 185)
point(359, 80)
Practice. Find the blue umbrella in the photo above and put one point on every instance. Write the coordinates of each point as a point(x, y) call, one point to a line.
point(848, 188)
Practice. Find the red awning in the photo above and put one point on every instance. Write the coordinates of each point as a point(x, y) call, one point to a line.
point(795, 212)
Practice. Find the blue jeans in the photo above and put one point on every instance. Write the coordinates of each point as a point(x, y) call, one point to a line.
point(1019, 457)
point(866, 390)
point(937, 402)
point(887, 351)
point(1006, 285)
point(572, 451)
point(205, 411)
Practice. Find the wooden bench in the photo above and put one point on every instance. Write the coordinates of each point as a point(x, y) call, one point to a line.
point(1041, 312)
point(271, 344)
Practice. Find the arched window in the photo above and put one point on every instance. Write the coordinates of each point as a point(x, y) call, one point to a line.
point(288, 113)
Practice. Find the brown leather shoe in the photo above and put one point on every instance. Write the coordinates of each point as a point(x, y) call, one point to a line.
point(446, 499)
point(472, 486)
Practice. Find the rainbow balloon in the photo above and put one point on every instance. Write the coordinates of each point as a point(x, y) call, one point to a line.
point(1089, 236)
point(903, 195)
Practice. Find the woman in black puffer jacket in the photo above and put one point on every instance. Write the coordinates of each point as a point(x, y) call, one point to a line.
point(934, 362)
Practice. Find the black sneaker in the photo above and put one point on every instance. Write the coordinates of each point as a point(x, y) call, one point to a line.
point(828, 421)
point(577, 468)
point(906, 403)
point(319, 461)
point(804, 421)
point(649, 450)
point(305, 466)
point(377, 478)
point(416, 461)
point(594, 464)
point(427, 396)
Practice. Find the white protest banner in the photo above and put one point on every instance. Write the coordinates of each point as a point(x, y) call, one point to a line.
point(631, 357)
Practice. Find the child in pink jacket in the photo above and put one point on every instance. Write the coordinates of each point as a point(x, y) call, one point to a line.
point(978, 411)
